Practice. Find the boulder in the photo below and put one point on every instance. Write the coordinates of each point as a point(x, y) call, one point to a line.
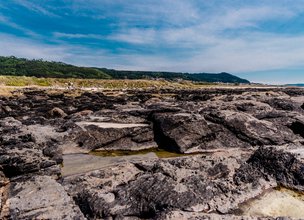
point(56, 113)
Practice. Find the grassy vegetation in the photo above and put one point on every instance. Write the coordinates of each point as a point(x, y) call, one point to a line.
point(22, 81)
point(6, 91)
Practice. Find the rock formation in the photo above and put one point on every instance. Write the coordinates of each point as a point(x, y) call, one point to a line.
point(246, 141)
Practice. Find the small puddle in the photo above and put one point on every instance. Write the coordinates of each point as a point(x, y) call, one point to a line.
point(160, 153)
point(275, 203)
point(81, 163)
point(110, 124)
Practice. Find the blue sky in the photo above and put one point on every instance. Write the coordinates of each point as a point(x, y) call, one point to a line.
point(261, 40)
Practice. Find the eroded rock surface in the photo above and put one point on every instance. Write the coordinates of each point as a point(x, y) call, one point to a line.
point(250, 140)
point(39, 197)
point(145, 189)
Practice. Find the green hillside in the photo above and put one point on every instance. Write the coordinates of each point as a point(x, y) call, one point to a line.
point(40, 68)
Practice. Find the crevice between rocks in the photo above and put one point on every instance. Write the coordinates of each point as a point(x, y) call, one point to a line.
point(297, 128)
point(163, 141)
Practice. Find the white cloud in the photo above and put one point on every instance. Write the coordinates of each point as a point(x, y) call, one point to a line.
point(244, 54)
point(77, 36)
point(20, 47)
point(78, 55)
point(135, 36)
point(203, 30)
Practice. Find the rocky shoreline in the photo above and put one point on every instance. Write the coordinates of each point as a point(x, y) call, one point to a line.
point(249, 140)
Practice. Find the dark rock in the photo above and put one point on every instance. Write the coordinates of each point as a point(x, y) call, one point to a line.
point(6, 109)
point(285, 164)
point(53, 151)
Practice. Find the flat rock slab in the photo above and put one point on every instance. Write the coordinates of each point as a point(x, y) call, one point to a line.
point(40, 197)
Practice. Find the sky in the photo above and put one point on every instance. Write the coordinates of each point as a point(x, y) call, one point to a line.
point(260, 40)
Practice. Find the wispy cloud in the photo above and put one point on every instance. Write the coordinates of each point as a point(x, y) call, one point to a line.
point(77, 36)
point(36, 7)
point(247, 17)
